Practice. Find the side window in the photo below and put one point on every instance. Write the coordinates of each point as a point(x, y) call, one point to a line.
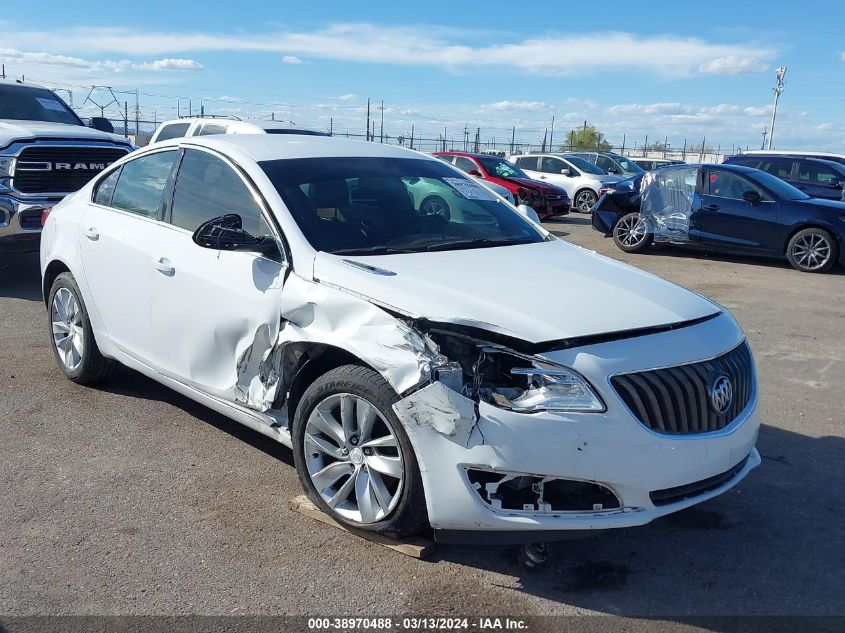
point(211, 128)
point(725, 185)
point(105, 189)
point(174, 130)
point(448, 158)
point(777, 167)
point(464, 163)
point(815, 173)
point(605, 163)
point(141, 183)
point(527, 162)
point(207, 188)
point(550, 165)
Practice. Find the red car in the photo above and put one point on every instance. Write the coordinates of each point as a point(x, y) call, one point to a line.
point(547, 200)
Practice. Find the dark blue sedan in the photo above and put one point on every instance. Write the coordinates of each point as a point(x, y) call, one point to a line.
point(724, 208)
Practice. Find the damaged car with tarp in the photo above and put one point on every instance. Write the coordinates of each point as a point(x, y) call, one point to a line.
point(724, 209)
point(422, 367)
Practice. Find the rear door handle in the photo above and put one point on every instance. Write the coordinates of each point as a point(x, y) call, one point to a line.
point(164, 266)
point(711, 207)
point(92, 234)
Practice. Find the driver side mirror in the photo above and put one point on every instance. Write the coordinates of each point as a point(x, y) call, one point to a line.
point(474, 172)
point(753, 197)
point(612, 170)
point(565, 171)
point(225, 233)
point(102, 124)
point(835, 183)
point(528, 212)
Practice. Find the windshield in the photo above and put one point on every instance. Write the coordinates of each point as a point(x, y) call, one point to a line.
point(778, 187)
point(382, 206)
point(24, 103)
point(500, 168)
point(584, 165)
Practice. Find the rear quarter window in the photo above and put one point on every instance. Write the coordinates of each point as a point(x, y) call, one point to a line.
point(173, 130)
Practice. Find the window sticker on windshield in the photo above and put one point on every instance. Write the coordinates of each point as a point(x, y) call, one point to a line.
point(469, 189)
point(50, 104)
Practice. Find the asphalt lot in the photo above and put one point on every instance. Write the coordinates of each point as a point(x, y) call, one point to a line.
point(130, 499)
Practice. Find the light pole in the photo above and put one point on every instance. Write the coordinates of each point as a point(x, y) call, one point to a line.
point(779, 74)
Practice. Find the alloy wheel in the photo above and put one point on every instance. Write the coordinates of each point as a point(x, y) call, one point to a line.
point(585, 201)
point(68, 332)
point(631, 230)
point(811, 251)
point(353, 458)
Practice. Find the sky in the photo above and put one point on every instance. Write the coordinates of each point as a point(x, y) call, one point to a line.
point(650, 69)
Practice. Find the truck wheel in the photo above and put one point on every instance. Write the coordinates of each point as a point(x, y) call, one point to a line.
point(631, 235)
point(352, 454)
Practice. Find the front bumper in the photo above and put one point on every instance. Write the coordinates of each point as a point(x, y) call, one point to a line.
point(611, 449)
point(20, 221)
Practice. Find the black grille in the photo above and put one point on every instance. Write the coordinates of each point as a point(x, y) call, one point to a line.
point(679, 493)
point(31, 219)
point(676, 400)
point(61, 169)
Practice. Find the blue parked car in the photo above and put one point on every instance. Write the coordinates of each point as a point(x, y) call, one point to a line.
point(817, 177)
point(724, 208)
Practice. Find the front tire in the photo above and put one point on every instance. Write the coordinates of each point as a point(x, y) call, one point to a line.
point(584, 200)
point(812, 251)
point(630, 233)
point(71, 336)
point(352, 455)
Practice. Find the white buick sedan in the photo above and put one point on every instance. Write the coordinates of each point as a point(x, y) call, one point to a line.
point(466, 370)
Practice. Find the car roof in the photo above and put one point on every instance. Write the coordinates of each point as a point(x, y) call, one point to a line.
point(261, 147)
point(469, 154)
point(263, 124)
point(784, 152)
point(21, 84)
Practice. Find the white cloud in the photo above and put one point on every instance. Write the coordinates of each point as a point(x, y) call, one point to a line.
point(415, 45)
point(291, 59)
point(348, 97)
point(527, 106)
point(733, 65)
point(843, 56)
point(170, 64)
point(651, 108)
point(824, 126)
point(227, 99)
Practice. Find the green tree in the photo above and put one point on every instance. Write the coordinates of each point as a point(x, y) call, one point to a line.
point(586, 138)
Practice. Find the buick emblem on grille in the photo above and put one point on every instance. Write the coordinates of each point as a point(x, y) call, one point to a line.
point(721, 394)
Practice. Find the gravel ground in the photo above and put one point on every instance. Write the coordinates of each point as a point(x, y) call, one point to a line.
point(130, 499)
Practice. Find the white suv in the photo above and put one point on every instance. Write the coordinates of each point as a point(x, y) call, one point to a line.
point(419, 375)
point(582, 180)
point(205, 126)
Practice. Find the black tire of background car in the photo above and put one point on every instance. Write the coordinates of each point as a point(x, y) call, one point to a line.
point(94, 367)
point(443, 211)
point(637, 247)
point(409, 517)
point(832, 259)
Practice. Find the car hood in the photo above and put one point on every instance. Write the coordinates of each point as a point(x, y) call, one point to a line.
point(836, 206)
point(528, 183)
point(13, 130)
point(535, 292)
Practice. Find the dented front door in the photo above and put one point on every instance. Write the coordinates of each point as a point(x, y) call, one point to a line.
point(211, 306)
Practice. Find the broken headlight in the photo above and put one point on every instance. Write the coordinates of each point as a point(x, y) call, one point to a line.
point(554, 388)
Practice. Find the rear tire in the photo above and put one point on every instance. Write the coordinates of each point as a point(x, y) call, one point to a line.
point(71, 337)
point(812, 251)
point(630, 233)
point(348, 441)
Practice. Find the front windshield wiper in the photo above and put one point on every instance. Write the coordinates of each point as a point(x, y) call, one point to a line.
point(372, 250)
point(475, 243)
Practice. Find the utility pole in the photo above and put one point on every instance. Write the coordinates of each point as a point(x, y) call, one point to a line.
point(513, 137)
point(412, 136)
point(3, 72)
point(381, 130)
point(552, 135)
point(368, 118)
point(331, 126)
point(137, 116)
point(477, 139)
point(780, 73)
point(765, 133)
point(126, 119)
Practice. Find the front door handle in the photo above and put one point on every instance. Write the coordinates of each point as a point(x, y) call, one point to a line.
point(711, 207)
point(164, 266)
point(92, 234)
